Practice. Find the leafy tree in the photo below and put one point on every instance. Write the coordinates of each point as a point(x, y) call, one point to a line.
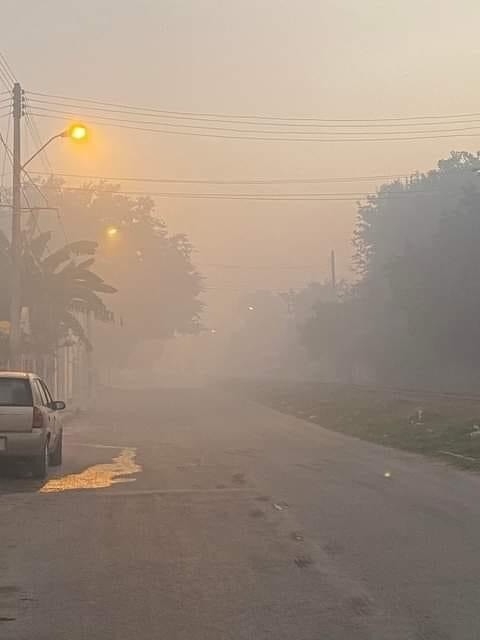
point(405, 214)
point(437, 287)
point(158, 285)
point(413, 314)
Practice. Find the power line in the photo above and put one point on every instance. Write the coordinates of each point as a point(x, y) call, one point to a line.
point(9, 154)
point(5, 153)
point(241, 267)
point(35, 135)
point(33, 210)
point(8, 68)
point(7, 77)
point(271, 138)
point(37, 104)
point(259, 181)
point(262, 132)
point(281, 197)
point(250, 116)
point(4, 78)
point(252, 290)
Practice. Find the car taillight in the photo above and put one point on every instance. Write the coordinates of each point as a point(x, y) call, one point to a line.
point(37, 418)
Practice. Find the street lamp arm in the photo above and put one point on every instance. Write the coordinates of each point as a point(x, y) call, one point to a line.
point(58, 135)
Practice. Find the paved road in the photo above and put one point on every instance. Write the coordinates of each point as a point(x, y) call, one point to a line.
point(192, 515)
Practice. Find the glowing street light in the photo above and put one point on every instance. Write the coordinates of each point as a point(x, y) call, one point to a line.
point(77, 132)
point(112, 232)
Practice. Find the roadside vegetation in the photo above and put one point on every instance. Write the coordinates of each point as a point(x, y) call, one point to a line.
point(433, 424)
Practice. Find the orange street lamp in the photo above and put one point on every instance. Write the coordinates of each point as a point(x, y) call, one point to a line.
point(77, 132)
point(111, 232)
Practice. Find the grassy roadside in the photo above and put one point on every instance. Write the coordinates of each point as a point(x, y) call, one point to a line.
point(391, 418)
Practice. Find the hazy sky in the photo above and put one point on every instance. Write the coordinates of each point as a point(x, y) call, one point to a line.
point(329, 59)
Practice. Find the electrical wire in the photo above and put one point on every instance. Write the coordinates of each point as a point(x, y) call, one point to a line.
point(9, 154)
point(241, 267)
point(48, 207)
point(35, 135)
point(4, 162)
point(257, 132)
point(278, 197)
point(260, 181)
point(7, 76)
point(252, 117)
point(253, 289)
point(38, 104)
point(33, 210)
point(7, 67)
point(4, 78)
point(272, 138)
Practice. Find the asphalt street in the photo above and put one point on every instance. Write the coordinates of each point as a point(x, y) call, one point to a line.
point(192, 514)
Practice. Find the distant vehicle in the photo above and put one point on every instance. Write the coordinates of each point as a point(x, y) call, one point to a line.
point(30, 423)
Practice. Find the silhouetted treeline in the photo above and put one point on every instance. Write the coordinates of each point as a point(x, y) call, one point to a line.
point(413, 316)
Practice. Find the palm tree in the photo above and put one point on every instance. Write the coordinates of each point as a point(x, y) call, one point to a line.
point(55, 288)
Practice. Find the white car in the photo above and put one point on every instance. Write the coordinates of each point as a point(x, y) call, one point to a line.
point(30, 422)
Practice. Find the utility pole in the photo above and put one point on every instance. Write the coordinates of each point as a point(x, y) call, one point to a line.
point(333, 271)
point(16, 245)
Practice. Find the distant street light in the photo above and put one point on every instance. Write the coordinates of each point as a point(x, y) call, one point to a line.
point(112, 232)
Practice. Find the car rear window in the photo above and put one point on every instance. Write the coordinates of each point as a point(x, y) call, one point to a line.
point(15, 392)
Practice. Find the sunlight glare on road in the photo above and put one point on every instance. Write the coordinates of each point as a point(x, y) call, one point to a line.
point(100, 476)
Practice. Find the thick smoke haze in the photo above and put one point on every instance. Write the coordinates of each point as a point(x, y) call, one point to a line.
point(332, 60)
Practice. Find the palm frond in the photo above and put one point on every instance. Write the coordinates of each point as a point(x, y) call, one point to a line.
point(79, 248)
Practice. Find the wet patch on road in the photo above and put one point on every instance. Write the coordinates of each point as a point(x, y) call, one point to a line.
point(99, 476)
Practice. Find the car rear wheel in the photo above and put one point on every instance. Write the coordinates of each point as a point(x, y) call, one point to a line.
point(56, 456)
point(40, 463)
